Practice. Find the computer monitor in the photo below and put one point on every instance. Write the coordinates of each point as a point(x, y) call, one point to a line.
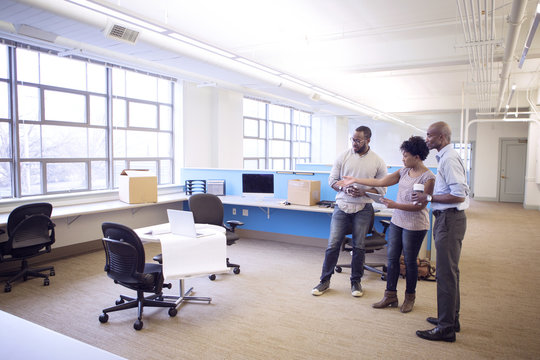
point(261, 185)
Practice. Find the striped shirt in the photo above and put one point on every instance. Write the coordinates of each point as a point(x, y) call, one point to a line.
point(410, 220)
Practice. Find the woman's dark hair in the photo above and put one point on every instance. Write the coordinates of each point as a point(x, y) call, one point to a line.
point(416, 145)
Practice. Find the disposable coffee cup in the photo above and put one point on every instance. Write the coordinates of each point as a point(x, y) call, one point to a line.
point(418, 187)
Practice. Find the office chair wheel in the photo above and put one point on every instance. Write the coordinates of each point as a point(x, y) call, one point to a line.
point(137, 325)
point(339, 269)
point(103, 318)
point(119, 301)
point(173, 312)
point(46, 282)
point(212, 277)
point(236, 270)
point(7, 288)
point(52, 273)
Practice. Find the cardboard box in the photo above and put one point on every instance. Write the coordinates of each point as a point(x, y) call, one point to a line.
point(137, 187)
point(304, 192)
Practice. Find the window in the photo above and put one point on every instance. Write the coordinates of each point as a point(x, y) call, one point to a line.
point(78, 124)
point(275, 137)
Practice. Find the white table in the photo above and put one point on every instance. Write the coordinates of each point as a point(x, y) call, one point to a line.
point(185, 257)
point(22, 339)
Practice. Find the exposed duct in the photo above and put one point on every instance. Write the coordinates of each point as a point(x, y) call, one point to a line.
point(515, 20)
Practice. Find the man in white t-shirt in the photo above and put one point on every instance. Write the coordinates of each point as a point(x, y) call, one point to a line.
point(353, 210)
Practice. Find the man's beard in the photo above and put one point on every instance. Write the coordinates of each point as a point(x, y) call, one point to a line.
point(361, 149)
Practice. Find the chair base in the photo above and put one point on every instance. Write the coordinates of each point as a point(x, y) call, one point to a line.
point(369, 267)
point(127, 302)
point(25, 273)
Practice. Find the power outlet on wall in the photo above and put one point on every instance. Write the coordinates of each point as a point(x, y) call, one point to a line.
point(244, 212)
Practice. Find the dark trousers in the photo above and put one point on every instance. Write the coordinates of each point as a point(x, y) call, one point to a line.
point(449, 230)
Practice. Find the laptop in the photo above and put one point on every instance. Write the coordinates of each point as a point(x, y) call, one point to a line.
point(182, 223)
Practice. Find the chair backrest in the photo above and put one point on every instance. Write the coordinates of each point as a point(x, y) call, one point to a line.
point(20, 213)
point(206, 209)
point(30, 229)
point(127, 247)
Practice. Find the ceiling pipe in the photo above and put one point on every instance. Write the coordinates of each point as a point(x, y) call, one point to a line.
point(515, 20)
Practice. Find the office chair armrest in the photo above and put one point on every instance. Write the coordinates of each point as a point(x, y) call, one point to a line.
point(232, 224)
point(385, 224)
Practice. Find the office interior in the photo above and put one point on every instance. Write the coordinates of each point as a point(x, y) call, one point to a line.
point(347, 63)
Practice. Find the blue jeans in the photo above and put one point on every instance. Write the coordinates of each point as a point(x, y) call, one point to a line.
point(408, 241)
point(343, 224)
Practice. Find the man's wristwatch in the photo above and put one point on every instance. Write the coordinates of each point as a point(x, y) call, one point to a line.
point(429, 198)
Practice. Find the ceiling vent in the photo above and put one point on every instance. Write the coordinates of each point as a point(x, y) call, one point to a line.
point(122, 33)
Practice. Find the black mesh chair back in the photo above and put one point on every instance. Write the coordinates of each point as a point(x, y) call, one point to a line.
point(207, 209)
point(133, 254)
point(30, 233)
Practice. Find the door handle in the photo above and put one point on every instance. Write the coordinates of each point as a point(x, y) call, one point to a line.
point(503, 177)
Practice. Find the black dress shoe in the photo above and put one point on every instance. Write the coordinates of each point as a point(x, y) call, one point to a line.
point(437, 334)
point(435, 321)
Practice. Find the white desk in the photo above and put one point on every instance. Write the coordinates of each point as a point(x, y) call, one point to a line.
point(185, 257)
point(271, 203)
point(22, 339)
point(75, 211)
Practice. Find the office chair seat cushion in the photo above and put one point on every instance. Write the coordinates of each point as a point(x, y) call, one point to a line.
point(374, 242)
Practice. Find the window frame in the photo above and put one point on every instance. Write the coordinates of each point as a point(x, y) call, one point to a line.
point(162, 158)
point(291, 125)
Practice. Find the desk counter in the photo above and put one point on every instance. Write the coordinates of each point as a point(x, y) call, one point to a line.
point(272, 203)
point(76, 210)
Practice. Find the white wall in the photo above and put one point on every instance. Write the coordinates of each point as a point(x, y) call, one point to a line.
point(387, 137)
point(532, 176)
point(486, 162)
point(212, 127)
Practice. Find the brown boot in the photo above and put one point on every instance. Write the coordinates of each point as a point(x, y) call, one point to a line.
point(389, 300)
point(408, 303)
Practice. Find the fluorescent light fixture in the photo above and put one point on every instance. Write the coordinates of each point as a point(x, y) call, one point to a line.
point(258, 66)
point(530, 37)
point(201, 45)
point(292, 78)
point(512, 91)
point(110, 12)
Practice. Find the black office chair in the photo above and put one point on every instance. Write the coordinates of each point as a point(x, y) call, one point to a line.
point(208, 209)
point(30, 233)
point(125, 264)
point(374, 241)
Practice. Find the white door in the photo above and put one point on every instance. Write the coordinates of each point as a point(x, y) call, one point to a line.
point(512, 176)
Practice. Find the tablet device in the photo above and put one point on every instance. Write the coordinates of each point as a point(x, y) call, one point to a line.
point(375, 197)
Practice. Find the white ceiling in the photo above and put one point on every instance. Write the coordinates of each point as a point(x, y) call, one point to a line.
point(407, 59)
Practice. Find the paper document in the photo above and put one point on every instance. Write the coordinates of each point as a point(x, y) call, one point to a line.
point(375, 197)
point(188, 257)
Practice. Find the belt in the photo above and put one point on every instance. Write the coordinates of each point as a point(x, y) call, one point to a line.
point(439, 212)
